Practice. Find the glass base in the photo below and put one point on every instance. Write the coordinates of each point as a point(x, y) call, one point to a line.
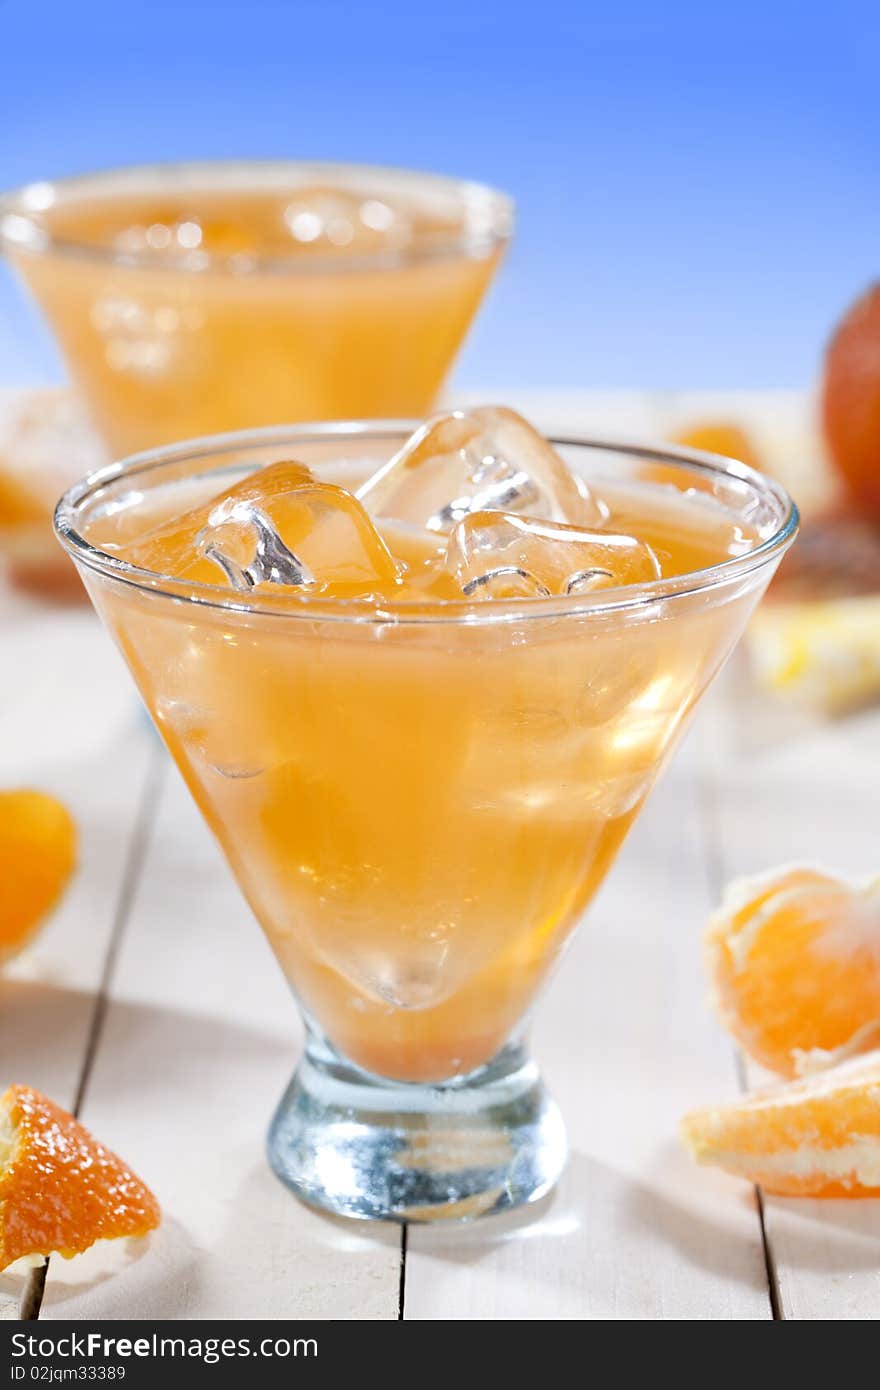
point(357, 1145)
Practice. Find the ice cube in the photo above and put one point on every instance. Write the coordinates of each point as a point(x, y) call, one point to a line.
point(499, 555)
point(415, 975)
point(474, 460)
point(320, 220)
point(221, 704)
point(170, 549)
point(271, 561)
point(618, 672)
point(171, 232)
point(329, 219)
point(276, 527)
point(316, 536)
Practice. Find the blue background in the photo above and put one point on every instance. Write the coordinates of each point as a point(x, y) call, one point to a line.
point(698, 185)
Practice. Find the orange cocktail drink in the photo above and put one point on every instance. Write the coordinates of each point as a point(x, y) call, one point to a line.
point(421, 729)
point(201, 297)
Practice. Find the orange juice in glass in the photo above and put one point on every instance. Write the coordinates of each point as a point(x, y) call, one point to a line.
point(193, 298)
point(420, 705)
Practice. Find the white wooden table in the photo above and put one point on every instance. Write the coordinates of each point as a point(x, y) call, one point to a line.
point(152, 1004)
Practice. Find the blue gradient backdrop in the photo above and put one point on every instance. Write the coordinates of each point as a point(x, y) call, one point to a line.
point(698, 184)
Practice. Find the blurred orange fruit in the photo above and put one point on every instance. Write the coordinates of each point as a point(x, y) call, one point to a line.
point(817, 1137)
point(721, 437)
point(851, 400)
point(794, 960)
point(37, 857)
point(60, 1190)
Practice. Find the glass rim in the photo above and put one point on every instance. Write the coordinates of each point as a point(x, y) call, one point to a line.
point(21, 228)
point(631, 598)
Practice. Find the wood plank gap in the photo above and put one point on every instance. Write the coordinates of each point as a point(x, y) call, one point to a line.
point(140, 840)
point(707, 791)
point(32, 1294)
point(401, 1301)
point(769, 1258)
point(770, 1262)
point(35, 1287)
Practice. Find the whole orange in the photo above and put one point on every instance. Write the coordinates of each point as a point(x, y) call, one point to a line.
point(851, 400)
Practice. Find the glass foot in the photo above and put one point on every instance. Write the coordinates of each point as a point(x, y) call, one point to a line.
point(360, 1146)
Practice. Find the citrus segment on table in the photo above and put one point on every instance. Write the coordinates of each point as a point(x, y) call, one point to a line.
point(37, 858)
point(60, 1189)
point(794, 960)
point(815, 1137)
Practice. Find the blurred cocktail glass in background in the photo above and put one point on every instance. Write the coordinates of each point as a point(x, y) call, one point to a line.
point(194, 298)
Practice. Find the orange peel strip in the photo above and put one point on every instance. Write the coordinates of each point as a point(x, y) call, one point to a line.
point(60, 1189)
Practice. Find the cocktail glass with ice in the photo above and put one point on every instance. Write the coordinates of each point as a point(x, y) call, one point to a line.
point(420, 686)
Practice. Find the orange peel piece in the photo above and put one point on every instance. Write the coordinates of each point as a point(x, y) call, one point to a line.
point(37, 858)
point(794, 961)
point(816, 1137)
point(60, 1189)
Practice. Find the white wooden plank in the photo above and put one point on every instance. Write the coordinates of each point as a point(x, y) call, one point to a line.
point(69, 725)
point(200, 1039)
point(789, 788)
point(625, 1044)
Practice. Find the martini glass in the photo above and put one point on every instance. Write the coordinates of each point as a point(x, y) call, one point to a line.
point(419, 800)
point(190, 298)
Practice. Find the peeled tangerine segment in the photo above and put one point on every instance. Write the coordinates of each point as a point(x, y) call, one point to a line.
point(37, 858)
point(817, 1137)
point(60, 1190)
point(277, 527)
point(474, 460)
point(499, 555)
point(794, 959)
